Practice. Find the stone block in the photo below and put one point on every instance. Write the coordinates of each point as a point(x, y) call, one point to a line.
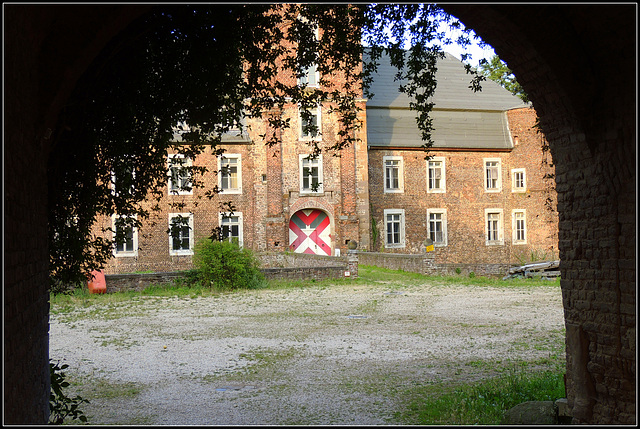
point(532, 413)
point(564, 411)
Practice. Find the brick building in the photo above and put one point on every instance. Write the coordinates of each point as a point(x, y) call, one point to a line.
point(486, 195)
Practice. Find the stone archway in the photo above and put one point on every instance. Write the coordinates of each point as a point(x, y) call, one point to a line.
point(576, 62)
point(47, 48)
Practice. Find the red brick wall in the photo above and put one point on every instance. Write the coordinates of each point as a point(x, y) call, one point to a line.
point(266, 205)
point(465, 199)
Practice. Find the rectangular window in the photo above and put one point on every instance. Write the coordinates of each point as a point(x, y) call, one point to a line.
point(493, 226)
point(393, 174)
point(437, 226)
point(311, 174)
point(181, 234)
point(518, 180)
point(123, 179)
point(519, 227)
point(231, 226)
point(179, 175)
point(394, 227)
point(230, 176)
point(125, 237)
point(436, 181)
point(493, 178)
point(310, 127)
point(310, 76)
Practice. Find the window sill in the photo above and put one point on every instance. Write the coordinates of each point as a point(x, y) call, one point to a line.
point(184, 253)
point(394, 246)
point(231, 191)
point(125, 255)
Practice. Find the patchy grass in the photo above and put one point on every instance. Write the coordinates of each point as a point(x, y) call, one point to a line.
point(480, 392)
point(396, 279)
point(103, 394)
point(481, 403)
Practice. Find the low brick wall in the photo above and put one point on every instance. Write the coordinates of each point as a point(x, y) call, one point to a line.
point(296, 266)
point(288, 260)
point(276, 265)
point(423, 263)
point(393, 261)
point(137, 282)
point(304, 273)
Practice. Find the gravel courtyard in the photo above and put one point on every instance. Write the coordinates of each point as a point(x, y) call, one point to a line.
point(320, 355)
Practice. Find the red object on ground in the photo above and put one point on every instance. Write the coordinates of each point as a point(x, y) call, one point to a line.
point(98, 283)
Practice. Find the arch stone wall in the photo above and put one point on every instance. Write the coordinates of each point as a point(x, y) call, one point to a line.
point(576, 62)
point(46, 50)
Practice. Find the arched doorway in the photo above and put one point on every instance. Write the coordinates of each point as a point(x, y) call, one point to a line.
point(310, 232)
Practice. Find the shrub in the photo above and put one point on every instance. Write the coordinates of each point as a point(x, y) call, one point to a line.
point(224, 265)
point(62, 406)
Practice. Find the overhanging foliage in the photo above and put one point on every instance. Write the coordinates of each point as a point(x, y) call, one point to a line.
point(211, 67)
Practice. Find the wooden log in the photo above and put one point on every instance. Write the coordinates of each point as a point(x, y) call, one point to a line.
point(530, 274)
point(535, 266)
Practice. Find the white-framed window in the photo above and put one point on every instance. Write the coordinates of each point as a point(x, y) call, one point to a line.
point(310, 76)
point(493, 227)
point(311, 129)
point(230, 173)
point(394, 228)
point(179, 175)
point(518, 180)
point(122, 181)
point(231, 226)
point(492, 175)
point(437, 226)
point(393, 174)
point(436, 175)
point(519, 226)
point(125, 244)
point(180, 234)
point(311, 174)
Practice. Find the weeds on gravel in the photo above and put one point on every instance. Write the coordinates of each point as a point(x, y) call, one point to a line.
point(482, 403)
point(191, 287)
point(376, 274)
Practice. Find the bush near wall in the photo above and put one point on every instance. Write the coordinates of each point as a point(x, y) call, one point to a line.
point(275, 265)
point(296, 266)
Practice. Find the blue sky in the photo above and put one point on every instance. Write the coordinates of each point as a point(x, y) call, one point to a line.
point(477, 52)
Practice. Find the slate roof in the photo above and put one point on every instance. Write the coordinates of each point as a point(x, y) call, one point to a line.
point(233, 136)
point(462, 119)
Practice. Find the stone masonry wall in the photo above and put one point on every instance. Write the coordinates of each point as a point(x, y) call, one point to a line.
point(578, 65)
point(274, 265)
